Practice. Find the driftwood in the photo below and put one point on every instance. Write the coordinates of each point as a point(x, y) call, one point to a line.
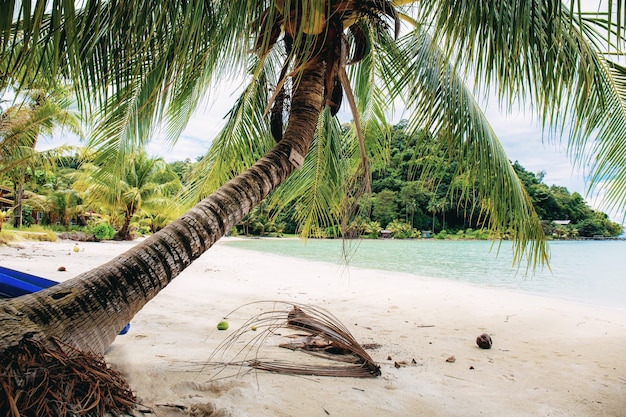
point(43, 380)
point(322, 337)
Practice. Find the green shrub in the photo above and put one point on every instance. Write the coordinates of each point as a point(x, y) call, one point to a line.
point(442, 235)
point(401, 230)
point(27, 216)
point(103, 231)
point(143, 231)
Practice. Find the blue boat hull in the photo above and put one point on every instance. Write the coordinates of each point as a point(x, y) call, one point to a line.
point(15, 283)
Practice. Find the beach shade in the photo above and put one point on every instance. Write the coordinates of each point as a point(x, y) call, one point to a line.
point(16, 283)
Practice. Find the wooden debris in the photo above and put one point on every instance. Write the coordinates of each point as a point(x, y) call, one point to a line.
point(176, 406)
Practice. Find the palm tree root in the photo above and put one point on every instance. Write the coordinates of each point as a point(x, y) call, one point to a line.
point(38, 379)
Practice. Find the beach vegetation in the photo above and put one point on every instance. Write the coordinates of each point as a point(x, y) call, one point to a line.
point(443, 234)
point(32, 232)
point(37, 112)
point(63, 197)
point(40, 235)
point(144, 192)
point(4, 216)
point(141, 66)
point(402, 230)
point(7, 236)
point(432, 205)
point(59, 200)
point(103, 231)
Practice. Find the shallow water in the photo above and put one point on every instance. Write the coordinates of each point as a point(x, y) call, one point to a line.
point(592, 272)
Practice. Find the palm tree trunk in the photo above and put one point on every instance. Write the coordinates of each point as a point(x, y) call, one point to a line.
point(124, 232)
point(88, 311)
point(17, 210)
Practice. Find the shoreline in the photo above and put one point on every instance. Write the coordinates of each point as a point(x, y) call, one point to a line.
point(591, 283)
point(550, 356)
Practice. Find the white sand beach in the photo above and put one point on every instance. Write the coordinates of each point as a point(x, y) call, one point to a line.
point(549, 357)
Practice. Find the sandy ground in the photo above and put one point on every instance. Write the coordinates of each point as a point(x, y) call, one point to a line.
point(549, 358)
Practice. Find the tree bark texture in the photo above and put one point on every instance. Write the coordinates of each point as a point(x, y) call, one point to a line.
point(17, 209)
point(88, 311)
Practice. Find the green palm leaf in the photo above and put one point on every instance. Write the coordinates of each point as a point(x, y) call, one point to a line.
point(243, 140)
point(440, 102)
point(554, 59)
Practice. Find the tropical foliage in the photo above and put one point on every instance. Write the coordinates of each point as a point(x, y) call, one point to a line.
point(73, 197)
point(39, 112)
point(405, 204)
point(74, 194)
point(147, 183)
point(141, 65)
point(552, 58)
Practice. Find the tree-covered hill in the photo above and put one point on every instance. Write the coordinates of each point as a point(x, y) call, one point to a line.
point(408, 201)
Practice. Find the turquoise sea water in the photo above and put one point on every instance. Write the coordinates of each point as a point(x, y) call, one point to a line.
point(592, 272)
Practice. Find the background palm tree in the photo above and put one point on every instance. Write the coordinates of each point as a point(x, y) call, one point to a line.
point(20, 127)
point(438, 205)
point(139, 63)
point(147, 183)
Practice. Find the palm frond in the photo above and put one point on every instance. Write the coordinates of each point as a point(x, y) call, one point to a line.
point(319, 188)
point(440, 102)
point(557, 61)
point(140, 65)
point(330, 347)
point(242, 141)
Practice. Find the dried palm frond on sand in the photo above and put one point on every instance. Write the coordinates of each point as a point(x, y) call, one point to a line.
point(331, 349)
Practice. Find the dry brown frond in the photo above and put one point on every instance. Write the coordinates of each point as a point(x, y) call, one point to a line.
point(42, 380)
point(321, 335)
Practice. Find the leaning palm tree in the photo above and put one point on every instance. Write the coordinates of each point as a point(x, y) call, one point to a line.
point(139, 63)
